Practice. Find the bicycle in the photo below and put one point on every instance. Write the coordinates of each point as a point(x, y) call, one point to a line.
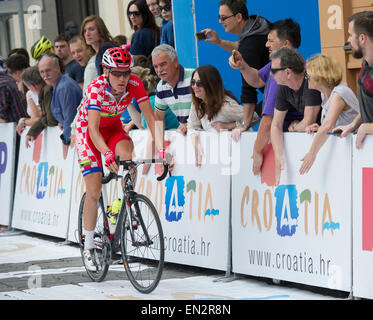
point(138, 234)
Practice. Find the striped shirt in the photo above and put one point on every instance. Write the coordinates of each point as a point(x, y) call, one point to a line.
point(11, 106)
point(178, 99)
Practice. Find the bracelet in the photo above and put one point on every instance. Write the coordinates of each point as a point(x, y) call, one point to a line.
point(294, 125)
point(242, 124)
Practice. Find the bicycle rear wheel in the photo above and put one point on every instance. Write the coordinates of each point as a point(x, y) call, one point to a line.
point(102, 242)
point(143, 256)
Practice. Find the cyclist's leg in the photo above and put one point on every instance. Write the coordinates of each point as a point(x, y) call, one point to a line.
point(93, 192)
point(122, 145)
point(91, 166)
point(124, 149)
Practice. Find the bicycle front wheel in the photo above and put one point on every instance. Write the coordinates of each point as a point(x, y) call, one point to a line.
point(142, 244)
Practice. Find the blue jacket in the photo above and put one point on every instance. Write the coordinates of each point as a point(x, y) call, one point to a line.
point(66, 97)
point(167, 33)
point(143, 42)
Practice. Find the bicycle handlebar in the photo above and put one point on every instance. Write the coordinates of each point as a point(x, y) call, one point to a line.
point(126, 163)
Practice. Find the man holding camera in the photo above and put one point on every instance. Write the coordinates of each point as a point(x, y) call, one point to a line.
point(252, 36)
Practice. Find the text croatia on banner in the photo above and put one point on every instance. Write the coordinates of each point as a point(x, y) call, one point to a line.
point(193, 203)
point(43, 186)
point(300, 230)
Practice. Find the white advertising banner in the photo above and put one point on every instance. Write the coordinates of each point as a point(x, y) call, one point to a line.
point(7, 163)
point(362, 213)
point(193, 203)
point(43, 186)
point(300, 230)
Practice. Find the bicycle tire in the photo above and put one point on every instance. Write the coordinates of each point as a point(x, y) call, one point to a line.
point(102, 242)
point(143, 263)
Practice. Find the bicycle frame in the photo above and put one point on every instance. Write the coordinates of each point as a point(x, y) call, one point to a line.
point(128, 196)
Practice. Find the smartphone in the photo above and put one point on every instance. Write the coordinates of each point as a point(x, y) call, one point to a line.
point(234, 58)
point(201, 36)
point(337, 133)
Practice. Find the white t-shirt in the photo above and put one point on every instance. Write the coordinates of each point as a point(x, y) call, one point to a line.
point(347, 116)
point(31, 95)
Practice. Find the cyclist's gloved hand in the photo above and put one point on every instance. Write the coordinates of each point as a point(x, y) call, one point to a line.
point(109, 158)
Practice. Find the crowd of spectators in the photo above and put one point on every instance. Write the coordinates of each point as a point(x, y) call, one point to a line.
point(304, 96)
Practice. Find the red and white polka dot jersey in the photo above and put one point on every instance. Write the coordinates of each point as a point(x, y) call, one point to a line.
point(98, 97)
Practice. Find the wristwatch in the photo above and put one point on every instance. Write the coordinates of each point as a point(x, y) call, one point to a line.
point(23, 123)
point(242, 124)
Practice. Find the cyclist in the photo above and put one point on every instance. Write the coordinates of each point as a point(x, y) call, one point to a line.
point(99, 131)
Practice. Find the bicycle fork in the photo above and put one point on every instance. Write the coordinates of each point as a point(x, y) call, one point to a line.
point(133, 217)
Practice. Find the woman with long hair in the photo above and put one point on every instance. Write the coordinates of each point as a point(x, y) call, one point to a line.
point(213, 107)
point(147, 34)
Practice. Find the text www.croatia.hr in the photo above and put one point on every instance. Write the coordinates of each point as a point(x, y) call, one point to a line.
point(291, 262)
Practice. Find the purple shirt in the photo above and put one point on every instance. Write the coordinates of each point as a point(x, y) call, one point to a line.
point(269, 97)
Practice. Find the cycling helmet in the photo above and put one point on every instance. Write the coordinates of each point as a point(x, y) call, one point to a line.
point(117, 58)
point(40, 47)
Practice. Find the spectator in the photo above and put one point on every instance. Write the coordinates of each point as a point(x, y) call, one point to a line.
point(34, 82)
point(153, 6)
point(16, 64)
point(252, 36)
point(78, 51)
point(120, 39)
point(99, 55)
point(11, 107)
point(146, 35)
point(72, 67)
point(82, 55)
point(66, 94)
point(173, 89)
point(142, 61)
point(21, 51)
point(360, 31)
point(3, 67)
point(43, 45)
point(94, 33)
point(167, 30)
point(150, 83)
point(71, 29)
point(282, 33)
point(289, 72)
point(212, 106)
point(339, 107)
point(170, 121)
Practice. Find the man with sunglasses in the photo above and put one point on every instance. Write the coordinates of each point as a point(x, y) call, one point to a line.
point(252, 35)
point(282, 33)
point(100, 131)
point(288, 70)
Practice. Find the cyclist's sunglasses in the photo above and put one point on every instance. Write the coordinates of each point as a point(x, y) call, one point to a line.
point(119, 74)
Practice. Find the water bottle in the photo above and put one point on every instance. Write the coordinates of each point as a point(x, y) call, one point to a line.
point(112, 214)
